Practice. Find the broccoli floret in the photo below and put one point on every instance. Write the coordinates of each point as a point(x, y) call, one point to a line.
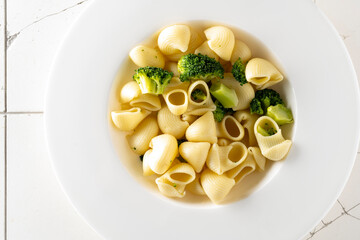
point(263, 99)
point(198, 96)
point(255, 107)
point(266, 132)
point(220, 111)
point(226, 96)
point(152, 79)
point(281, 114)
point(192, 66)
point(238, 71)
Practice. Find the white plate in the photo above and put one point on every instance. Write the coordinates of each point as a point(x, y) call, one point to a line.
point(101, 188)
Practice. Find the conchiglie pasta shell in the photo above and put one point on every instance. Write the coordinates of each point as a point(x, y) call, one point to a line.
point(216, 187)
point(273, 147)
point(171, 124)
point(195, 153)
point(174, 39)
point(223, 158)
point(242, 51)
point(129, 91)
point(260, 160)
point(247, 120)
point(200, 108)
point(127, 120)
point(204, 49)
point(170, 189)
point(221, 41)
point(144, 56)
point(147, 101)
point(195, 186)
point(181, 173)
point(244, 93)
point(202, 130)
point(262, 73)
point(163, 152)
point(195, 41)
point(245, 168)
point(177, 101)
point(146, 168)
point(230, 128)
point(139, 140)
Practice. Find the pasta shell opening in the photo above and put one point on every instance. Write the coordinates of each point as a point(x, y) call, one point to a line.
point(232, 127)
point(237, 152)
point(198, 86)
point(177, 98)
point(181, 177)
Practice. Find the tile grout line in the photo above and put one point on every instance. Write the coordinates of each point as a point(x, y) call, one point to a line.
point(5, 178)
point(19, 113)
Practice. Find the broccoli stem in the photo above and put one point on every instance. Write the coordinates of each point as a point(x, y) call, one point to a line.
point(226, 96)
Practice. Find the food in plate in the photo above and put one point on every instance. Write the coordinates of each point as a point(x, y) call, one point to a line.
point(199, 111)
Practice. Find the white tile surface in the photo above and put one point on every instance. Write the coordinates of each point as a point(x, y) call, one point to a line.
point(2, 177)
point(35, 30)
point(36, 206)
point(2, 55)
point(37, 209)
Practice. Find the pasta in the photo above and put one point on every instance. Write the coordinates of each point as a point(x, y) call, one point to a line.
point(206, 50)
point(127, 120)
point(163, 151)
point(260, 160)
point(216, 186)
point(195, 41)
point(171, 124)
point(242, 170)
point(195, 186)
point(200, 107)
point(147, 101)
point(230, 128)
point(139, 140)
point(224, 158)
point(273, 147)
point(221, 41)
point(247, 120)
point(195, 153)
point(174, 39)
point(262, 73)
point(201, 123)
point(145, 56)
point(129, 91)
point(202, 130)
point(242, 51)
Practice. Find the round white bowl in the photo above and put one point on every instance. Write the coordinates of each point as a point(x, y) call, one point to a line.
point(104, 191)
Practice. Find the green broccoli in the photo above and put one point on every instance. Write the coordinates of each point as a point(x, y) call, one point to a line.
point(226, 96)
point(192, 66)
point(220, 111)
point(238, 71)
point(281, 114)
point(263, 99)
point(198, 96)
point(266, 131)
point(152, 79)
